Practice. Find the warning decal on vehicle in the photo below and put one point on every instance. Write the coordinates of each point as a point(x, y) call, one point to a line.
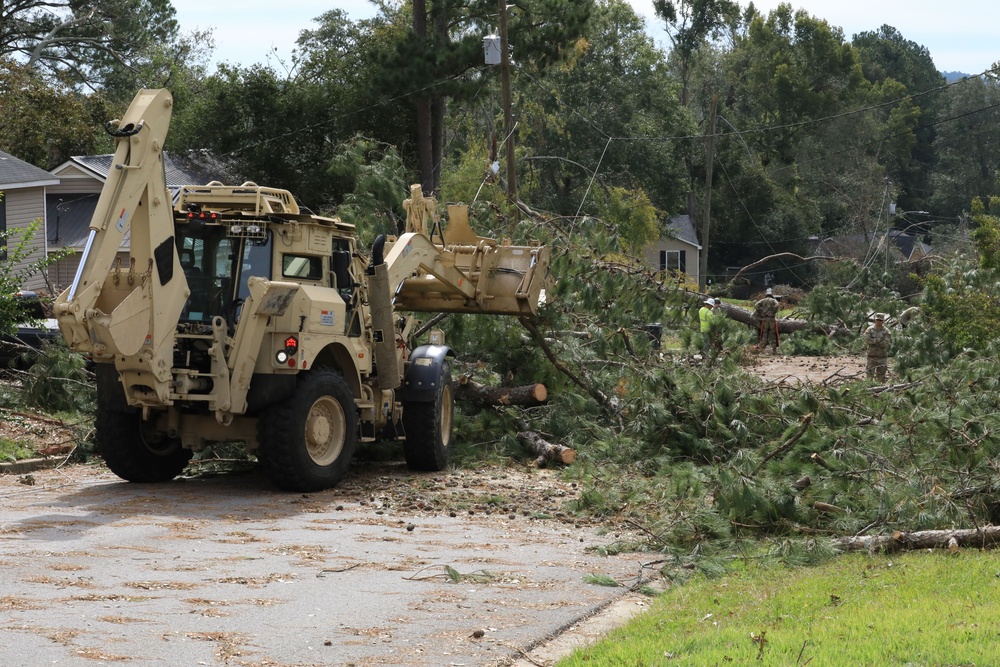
point(326, 318)
point(122, 219)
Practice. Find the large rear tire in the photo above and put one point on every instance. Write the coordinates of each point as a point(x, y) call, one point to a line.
point(428, 427)
point(307, 442)
point(131, 448)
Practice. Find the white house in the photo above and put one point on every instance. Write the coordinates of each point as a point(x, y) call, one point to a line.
point(677, 250)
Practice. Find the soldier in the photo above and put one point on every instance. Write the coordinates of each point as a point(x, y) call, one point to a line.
point(878, 339)
point(764, 312)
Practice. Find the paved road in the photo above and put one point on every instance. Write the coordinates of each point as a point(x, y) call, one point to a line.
point(228, 571)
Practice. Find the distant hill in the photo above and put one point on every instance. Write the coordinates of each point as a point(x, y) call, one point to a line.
point(952, 77)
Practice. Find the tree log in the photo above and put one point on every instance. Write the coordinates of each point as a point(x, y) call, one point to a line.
point(923, 539)
point(530, 394)
point(785, 325)
point(546, 451)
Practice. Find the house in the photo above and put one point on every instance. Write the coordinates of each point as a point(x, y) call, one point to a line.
point(677, 250)
point(24, 187)
point(907, 246)
point(70, 205)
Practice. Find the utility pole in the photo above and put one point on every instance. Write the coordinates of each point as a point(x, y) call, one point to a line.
point(508, 121)
point(706, 223)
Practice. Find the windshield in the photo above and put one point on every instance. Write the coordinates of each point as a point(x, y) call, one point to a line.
point(217, 267)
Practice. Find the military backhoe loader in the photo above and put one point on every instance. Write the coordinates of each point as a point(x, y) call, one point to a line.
point(237, 317)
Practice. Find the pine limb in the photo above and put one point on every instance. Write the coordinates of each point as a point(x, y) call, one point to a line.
point(806, 420)
point(782, 255)
point(594, 392)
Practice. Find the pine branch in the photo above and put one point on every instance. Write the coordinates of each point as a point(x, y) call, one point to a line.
point(806, 420)
point(782, 255)
point(594, 392)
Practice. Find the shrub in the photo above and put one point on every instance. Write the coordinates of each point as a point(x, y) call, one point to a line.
point(59, 381)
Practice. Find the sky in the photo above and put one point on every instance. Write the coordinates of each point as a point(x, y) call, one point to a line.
point(960, 34)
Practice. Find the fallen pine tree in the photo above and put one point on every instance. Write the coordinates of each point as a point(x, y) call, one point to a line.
point(979, 538)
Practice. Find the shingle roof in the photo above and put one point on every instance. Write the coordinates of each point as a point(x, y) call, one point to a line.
point(857, 243)
point(68, 219)
point(682, 228)
point(190, 169)
point(69, 216)
point(15, 173)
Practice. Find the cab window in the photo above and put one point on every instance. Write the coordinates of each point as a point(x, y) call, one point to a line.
point(302, 267)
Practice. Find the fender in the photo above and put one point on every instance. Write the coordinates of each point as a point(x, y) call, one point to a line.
point(422, 373)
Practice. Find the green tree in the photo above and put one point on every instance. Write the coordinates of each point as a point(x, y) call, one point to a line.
point(283, 129)
point(264, 128)
point(967, 145)
point(441, 58)
point(374, 179)
point(885, 54)
point(44, 123)
point(690, 24)
point(808, 142)
point(15, 268)
point(85, 39)
point(608, 117)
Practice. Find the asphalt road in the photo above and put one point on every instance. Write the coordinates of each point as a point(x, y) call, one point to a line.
point(388, 569)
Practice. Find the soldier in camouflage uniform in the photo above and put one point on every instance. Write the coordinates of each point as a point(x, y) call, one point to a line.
point(878, 339)
point(764, 312)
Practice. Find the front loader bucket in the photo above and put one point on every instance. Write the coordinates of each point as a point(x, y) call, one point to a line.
point(502, 280)
point(450, 269)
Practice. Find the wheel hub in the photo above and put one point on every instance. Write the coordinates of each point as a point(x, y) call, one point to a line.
point(326, 428)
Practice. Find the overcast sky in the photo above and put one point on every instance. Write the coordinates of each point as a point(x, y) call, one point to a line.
point(960, 34)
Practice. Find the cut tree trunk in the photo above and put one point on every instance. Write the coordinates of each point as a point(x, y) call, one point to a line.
point(531, 394)
point(785, 325)
point(547, 452)
point(923, 539)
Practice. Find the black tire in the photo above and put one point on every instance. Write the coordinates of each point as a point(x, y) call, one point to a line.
point(307, 442)
point(129, 446)
point(428, 427)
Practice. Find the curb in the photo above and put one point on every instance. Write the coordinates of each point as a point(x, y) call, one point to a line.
point(29, 465)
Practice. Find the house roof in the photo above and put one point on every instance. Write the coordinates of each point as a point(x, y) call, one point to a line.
point(69, 215)
point(681, 227)
point(16, 174)
point(68, 219)
point(907, 244)
point(193, 168)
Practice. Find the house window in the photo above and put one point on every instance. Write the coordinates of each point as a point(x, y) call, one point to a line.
point(3, 228)
point(673, 260)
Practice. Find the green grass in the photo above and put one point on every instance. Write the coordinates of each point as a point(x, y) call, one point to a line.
point(11, 450)
point(918, 609)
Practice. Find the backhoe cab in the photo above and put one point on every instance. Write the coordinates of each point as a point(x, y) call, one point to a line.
point(238, 317)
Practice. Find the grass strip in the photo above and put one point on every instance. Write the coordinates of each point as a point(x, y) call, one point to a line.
point(921, 608)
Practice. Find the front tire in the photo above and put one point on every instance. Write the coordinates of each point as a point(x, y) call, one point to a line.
point(307, 442)
point(428, 427)
point(130, 447)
